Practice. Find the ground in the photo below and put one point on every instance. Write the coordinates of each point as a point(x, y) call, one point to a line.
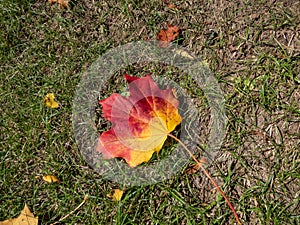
point(252, 48)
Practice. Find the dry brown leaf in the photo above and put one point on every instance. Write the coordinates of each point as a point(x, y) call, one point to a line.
point(63, 3)
point(25, 218)
point(184, 53)
point(196, 167)
point(261, 134)
point(165, 36)
point(50, 179)
point(169, 4)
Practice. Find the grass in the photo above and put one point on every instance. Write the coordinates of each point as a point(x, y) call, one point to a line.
point(254, 54)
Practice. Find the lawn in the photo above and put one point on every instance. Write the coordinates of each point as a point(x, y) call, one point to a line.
point(253, 51)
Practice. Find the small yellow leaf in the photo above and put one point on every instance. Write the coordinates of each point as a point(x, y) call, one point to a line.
point(50, 102)
point(50, 179)
point(25, 218)
point(117, 195)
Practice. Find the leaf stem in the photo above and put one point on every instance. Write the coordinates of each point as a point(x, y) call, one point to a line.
point(209, 177)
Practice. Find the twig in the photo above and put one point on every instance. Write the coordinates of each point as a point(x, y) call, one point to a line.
point(70, 213)
point(209, 177)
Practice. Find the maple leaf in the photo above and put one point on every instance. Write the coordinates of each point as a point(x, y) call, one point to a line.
point(165, 36)
point(140, 122)
point(25, 218)
point(50, 102)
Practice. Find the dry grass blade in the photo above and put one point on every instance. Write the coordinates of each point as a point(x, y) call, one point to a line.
point(70, 213)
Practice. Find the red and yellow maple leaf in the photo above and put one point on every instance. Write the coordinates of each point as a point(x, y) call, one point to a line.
point(140, 122)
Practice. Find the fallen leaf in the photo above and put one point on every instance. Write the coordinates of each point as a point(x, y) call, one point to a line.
point(169, 4)
point(50, 179)
point(25, 218)
point(50, 102)
point(194, 168)
point(117, 195)
point(62, 3)
point(140, 122)
point(261, 134)
point(165, 36)
point(184, 53)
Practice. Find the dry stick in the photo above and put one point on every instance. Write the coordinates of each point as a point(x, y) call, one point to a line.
point(70, 213)
point(211, 179)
